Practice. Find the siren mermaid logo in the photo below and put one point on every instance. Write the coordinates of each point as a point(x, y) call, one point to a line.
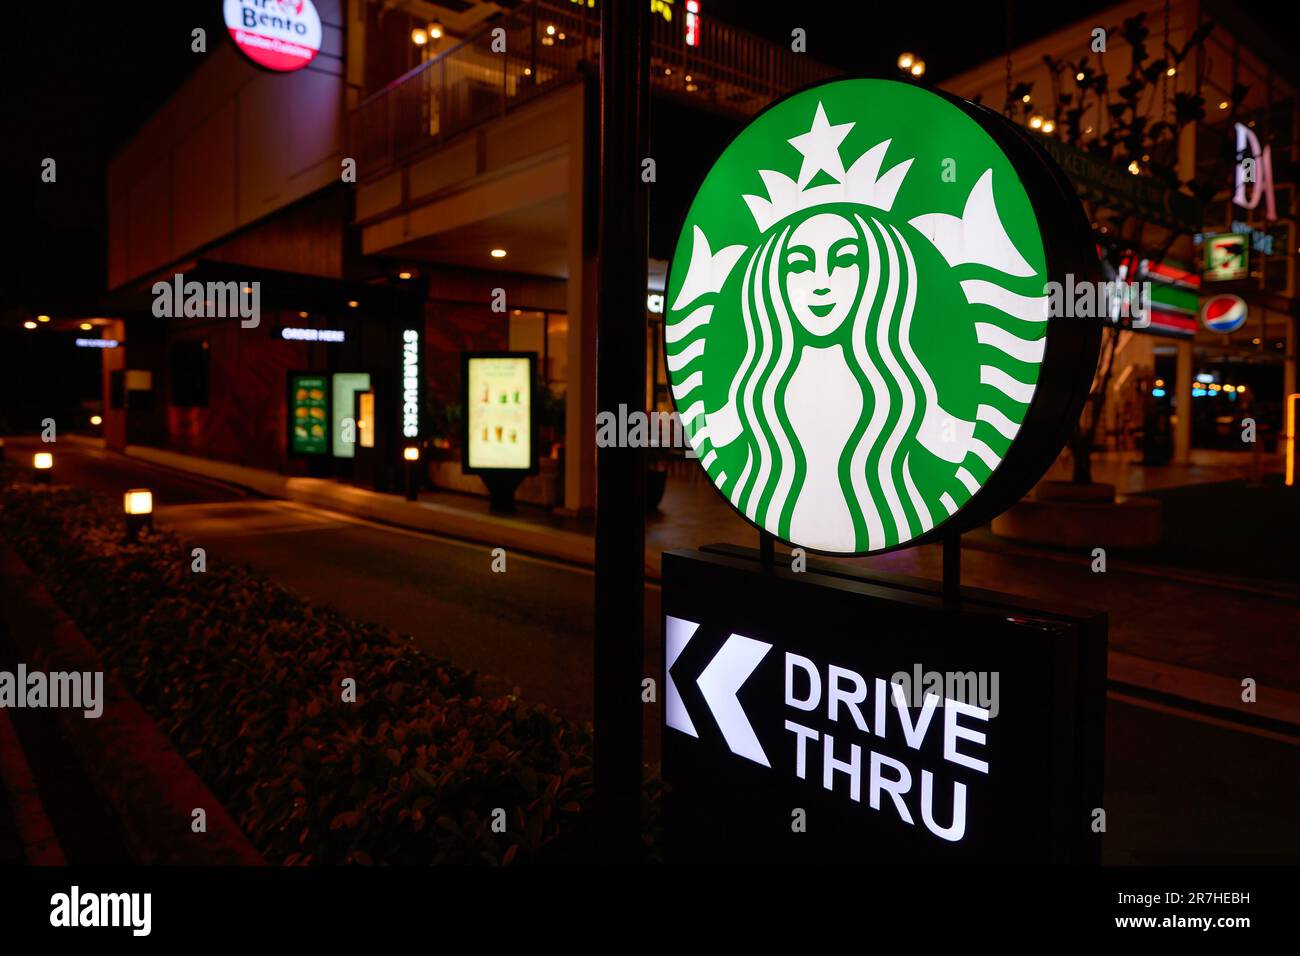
point(854, 337)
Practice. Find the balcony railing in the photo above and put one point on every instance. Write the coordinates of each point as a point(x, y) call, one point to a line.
point(727, 69)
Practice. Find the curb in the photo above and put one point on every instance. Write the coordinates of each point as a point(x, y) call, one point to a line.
point(135, 769)
point(490, 530)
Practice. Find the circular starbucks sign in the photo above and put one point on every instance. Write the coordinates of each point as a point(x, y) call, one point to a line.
point(857, 331)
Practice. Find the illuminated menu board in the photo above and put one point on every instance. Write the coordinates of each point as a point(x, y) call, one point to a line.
point(499, 411)
point(308, 415)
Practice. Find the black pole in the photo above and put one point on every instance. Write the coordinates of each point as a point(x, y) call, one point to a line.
point(620, 472)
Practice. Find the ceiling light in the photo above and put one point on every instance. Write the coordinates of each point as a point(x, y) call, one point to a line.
point(498, 253)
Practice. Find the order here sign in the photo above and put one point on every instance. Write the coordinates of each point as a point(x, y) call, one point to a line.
point(817, 717)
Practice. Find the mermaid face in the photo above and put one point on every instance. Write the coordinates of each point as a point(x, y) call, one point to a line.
point(821, 271)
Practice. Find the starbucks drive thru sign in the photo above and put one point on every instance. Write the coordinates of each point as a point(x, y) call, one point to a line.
point(858, 336)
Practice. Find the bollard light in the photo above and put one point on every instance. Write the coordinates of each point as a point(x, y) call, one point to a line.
point(43, 462)
point(412, 455)
point(138, 507)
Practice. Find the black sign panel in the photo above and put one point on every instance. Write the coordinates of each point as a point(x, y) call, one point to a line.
point(792, 734)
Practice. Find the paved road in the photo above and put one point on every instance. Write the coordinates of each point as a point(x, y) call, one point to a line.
point(1179, 788)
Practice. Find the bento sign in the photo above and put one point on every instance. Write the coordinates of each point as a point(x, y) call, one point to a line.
point(281, 35)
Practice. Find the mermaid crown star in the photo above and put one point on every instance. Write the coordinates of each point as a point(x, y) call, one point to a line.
point(861, 183)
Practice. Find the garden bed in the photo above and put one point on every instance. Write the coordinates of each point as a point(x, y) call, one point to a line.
point(246, 680)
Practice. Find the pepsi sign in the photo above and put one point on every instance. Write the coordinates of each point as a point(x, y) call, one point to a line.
point(1223, 313)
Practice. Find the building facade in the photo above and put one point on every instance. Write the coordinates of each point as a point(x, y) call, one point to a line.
point(1136, 103)
point(432, 169)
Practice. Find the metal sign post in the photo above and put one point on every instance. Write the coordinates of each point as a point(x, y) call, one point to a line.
point(620, 472)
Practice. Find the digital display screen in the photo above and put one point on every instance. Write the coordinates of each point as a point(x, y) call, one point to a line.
point(499, 409)
point(308, 415)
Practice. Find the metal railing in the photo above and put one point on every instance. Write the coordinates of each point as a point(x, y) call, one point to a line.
point(728, 69)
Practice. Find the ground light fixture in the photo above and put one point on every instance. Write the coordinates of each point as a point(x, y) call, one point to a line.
point(137, 506)
point(411, 453)
point(43, 462)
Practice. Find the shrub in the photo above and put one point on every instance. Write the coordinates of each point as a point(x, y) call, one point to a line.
point(245, 679)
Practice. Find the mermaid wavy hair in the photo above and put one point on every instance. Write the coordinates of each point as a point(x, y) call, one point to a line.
point(876, 480)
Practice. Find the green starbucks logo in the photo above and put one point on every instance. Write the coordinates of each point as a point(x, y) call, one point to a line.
point(856, 317)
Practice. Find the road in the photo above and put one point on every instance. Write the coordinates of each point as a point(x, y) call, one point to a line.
point(1180, 786)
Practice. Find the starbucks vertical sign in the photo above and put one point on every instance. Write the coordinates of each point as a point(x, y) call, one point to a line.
point(857, 330)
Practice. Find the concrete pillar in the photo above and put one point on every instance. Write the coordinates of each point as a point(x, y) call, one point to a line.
point(1183, 403)
point(114, 360)
point(580, 389)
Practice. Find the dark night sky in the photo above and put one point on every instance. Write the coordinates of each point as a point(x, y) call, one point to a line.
point(76, 85)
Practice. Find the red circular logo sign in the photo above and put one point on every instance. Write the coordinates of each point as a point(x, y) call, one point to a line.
point(281, 35)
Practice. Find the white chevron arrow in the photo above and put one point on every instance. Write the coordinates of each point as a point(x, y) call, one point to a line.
point(720, 682)
point(677, 634)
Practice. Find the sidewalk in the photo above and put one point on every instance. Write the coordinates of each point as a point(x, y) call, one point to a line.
point(1234, 628)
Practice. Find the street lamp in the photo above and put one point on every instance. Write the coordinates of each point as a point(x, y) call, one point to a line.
point(905, 61)
point(918, 69)
point(43, 462)
point(137, 505)
point(419, 37)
